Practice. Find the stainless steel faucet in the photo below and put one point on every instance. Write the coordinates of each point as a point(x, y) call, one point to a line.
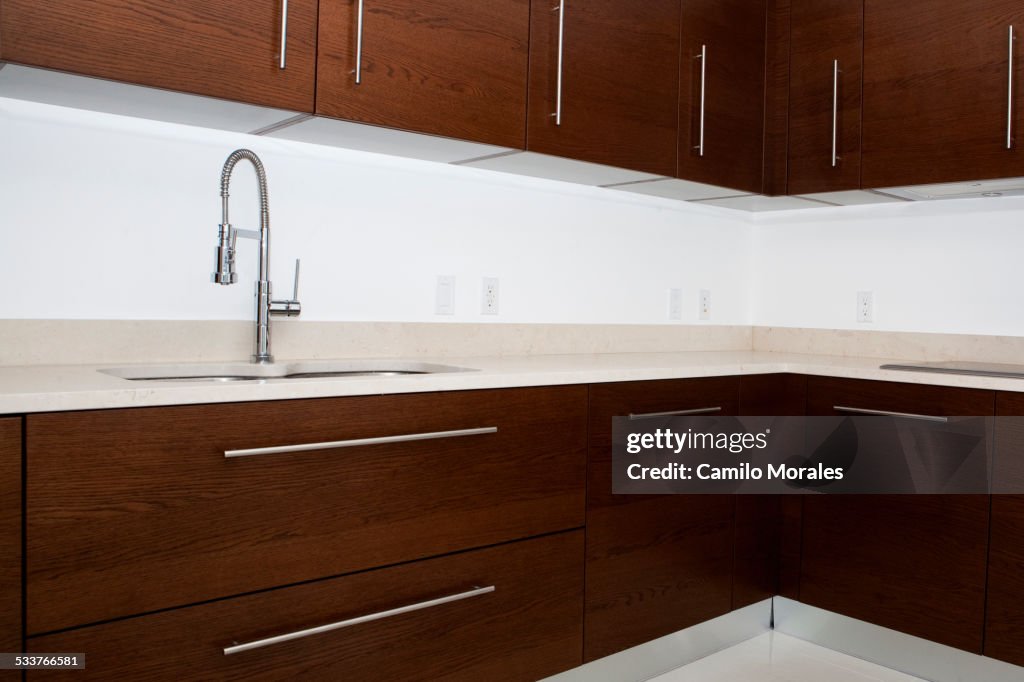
point(225, 274)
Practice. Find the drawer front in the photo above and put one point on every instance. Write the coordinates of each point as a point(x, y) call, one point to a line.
point(527, 628)
point(10, 539)
point(708, 396)
point(655, 563)
point(1004, 617)
point(135, 510)
point(914, 563)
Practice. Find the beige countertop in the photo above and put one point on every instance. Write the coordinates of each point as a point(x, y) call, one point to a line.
point(81, 387)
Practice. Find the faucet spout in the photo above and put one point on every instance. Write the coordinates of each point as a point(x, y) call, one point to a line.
point(227, 236)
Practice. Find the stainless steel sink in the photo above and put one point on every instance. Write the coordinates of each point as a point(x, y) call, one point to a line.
point(232, 372)
point(980, 369)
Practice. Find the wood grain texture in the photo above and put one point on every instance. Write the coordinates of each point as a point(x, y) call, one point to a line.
point(10, 540)
point(620, 85)
point(655, 564)
point(527, 629)
point(135, 510)
point(227, 49)
point(449, 67)
point(824, 31)
point(776, 113)
point(935, 91)
point(917, 563)
point(1004, 622)
point(767, 555)
point(735, 33)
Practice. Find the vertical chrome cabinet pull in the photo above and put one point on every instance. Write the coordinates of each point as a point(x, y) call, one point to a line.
point(835, 112)
point(561, 54)
point(703, 57)
point(299, 634)
point(1009, 98)
point(359, 43)
point(284, 33)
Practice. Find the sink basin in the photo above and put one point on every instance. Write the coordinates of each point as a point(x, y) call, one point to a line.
point(980, 369)
point(232, 372)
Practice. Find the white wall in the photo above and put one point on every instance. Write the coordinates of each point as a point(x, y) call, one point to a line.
point(104, 217)
point(950, 266)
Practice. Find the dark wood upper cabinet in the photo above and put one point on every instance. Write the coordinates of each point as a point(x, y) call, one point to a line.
point(619, 82)
point(448, 67)
point(937, 105)
point(229, 49)
point(825, 95)
point(721, 95)
point(10, 539)
point(1004, 617)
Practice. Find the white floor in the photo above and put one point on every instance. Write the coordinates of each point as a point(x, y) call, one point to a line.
point(775, 657)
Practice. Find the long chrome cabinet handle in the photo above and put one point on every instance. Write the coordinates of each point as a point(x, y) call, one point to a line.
point(675, 413)
point(703, 57)
point(356, 442)
point(299, 634)
point(561, 55)
point(359, 43)
point(886, 413)
point(1009, 98)
point(284, 32)
point(835, 112)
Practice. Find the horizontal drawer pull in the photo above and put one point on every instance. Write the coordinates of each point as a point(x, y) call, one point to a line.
point(307, 447)
point(886, 413)
point(676, 413)
point(299, 634)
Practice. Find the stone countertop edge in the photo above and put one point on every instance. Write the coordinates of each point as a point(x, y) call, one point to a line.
point(58, 388)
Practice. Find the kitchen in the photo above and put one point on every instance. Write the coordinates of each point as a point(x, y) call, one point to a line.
point(593, 207)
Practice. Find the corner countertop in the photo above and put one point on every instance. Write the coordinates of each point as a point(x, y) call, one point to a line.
point(82, 387)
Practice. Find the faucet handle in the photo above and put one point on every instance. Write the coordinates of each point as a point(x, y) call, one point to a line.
point(292, 307)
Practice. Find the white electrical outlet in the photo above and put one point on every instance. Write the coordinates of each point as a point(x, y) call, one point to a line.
point(489, 301)
point(705, 304)
point(444, 298)
point(865, 307)
point(675, 304)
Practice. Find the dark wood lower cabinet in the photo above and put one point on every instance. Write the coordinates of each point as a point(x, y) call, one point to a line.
point(913, 563)
point(650, 565)
point(1004, 618)
point(10, 540)
point(529, 627)
point(655, 564)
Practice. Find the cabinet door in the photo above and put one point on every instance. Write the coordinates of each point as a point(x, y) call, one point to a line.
point(527, 628)
point(448, 67)
point(824, 96)
point(655, 563)
point(10, 539)
point(936, 97)
point(115, 530)
point(603, 82)
point(913, 563)
point(1004, 623)
point(768, 526)
point(721, 113)
point(229, 49)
